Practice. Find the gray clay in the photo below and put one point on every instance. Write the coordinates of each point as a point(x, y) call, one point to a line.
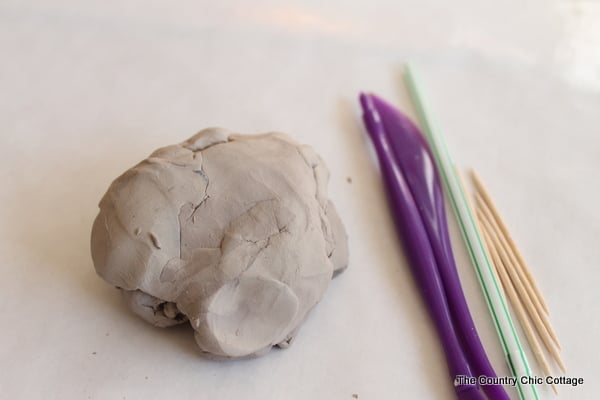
point(233, 233)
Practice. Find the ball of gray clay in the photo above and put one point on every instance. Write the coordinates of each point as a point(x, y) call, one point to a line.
point(233, 233)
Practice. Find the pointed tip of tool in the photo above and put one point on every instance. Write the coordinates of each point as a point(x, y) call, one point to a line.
point(370, 115)
point(372, 104)
point(372, 101)
point(394, 119)
point(365, 101)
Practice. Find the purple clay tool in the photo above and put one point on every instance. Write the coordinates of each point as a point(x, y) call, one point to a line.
point(413, 154)
point(419, 250)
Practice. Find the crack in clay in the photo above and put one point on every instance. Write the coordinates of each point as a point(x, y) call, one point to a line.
point(255, 256)
point(321, 207)
point(308, 164)
point(166, 310)
point(314, 173)
point(206, 196)
point(195, 208)
point(208, 146)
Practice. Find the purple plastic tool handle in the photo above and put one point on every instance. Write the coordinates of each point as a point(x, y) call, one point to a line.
point(417, 164)
point(419, 251)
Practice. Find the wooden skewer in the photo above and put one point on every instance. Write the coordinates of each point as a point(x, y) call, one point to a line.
point(518, 307)
point(537, 319)
point(488, 199)
point(506, 252)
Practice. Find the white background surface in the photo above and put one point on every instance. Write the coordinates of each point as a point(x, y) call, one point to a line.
point(87, 89)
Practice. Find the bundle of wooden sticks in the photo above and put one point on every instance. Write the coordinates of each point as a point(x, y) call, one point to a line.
point(516, 277)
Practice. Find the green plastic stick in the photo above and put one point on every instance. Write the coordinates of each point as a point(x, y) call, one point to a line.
point(515, 356)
